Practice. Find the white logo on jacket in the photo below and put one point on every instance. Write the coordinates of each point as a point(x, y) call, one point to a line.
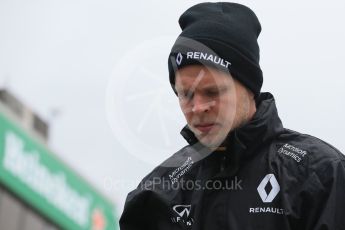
point(180, 171)
point(267, 198)
point(183, 212)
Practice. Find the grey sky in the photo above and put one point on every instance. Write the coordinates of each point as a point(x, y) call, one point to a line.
point(74, 56)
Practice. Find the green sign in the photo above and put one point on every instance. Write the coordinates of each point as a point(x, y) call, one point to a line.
point(42, 180)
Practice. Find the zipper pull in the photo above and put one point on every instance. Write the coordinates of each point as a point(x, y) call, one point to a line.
point(222, 163)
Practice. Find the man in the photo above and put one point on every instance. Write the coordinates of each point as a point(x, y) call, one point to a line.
point(241, 169)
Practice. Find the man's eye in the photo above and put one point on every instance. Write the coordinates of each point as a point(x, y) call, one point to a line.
point(212, 93)
point(185, 96)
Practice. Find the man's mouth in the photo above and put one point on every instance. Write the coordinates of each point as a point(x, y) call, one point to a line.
point(205, 127)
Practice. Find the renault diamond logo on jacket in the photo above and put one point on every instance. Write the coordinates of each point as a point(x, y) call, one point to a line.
point(179, 58)
point(271, 184)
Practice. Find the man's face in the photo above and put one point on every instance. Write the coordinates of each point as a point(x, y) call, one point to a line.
point(212, 102)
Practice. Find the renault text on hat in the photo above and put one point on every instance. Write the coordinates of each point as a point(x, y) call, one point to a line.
point(208, 57)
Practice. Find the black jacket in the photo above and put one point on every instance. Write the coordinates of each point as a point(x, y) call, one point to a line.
point(264, 177)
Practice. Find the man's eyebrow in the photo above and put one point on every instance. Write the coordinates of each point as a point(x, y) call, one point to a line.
point(205, 88)
point(181, 89)
point(215, 87)
point(186, 92)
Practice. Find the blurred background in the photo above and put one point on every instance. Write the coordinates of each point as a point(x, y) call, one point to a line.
point(86, 109)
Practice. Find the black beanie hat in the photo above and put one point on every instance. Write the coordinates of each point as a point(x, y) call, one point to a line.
point(222, 35)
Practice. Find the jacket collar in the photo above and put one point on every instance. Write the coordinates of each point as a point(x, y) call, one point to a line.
point(242, 141)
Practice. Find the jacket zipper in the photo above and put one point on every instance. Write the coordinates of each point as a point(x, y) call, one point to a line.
point(222, 163)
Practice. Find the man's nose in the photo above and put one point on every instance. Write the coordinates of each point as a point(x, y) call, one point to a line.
point(201, 105)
